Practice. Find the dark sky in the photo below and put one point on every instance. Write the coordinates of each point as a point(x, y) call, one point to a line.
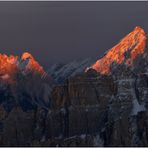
point(63, 31)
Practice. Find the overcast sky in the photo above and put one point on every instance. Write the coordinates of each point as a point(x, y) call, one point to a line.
point(63, 31)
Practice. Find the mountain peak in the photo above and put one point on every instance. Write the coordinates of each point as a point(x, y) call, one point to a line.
point(26, 55)
point(138, 28)
point(126, 51)
point(10, 64)
point(32, 65)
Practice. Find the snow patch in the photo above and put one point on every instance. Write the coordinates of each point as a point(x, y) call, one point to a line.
point(83, 136)
point(98, 141)
point(137, 107)
point(43, 139)
point(63, 111)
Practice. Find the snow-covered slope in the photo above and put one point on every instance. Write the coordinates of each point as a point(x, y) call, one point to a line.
point(60, 72)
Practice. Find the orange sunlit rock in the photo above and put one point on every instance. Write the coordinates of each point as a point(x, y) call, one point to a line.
point(9, 66)
point(33, 64)
point(134, 43)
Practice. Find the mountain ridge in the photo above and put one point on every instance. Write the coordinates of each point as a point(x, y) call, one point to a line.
point(126, 51)
point(10, 65)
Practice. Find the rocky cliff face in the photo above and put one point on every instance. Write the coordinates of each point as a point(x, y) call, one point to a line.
point(104, 106)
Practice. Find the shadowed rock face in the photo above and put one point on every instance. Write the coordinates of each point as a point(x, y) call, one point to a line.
point(71, 120)
point(89, 109)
